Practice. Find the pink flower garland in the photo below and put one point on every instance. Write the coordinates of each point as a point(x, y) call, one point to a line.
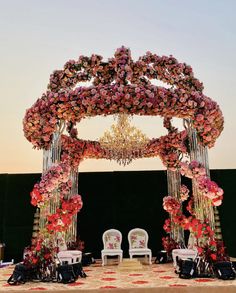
point(211, 190)
point(184, 192)
point(168, 147)
point(131, 93)
point(208, 188)
point(55, 177)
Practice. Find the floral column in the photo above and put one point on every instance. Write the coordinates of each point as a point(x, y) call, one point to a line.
point(71, 233)
point(51, 157)
point(57, 194)
point(202, 205)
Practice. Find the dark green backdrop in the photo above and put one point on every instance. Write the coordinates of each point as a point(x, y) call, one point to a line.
point(121, 200)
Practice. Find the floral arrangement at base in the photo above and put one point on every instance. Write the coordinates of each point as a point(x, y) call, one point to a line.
point(169, 244)
point(76, 245)
point(40, 258)
point(209, 249)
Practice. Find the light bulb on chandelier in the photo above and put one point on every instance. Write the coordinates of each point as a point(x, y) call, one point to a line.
point(124, 142)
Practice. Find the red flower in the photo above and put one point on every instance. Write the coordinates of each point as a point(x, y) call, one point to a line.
point(38, 246)
point(200, 250)
point(47, 256)
point(213, 256)
point(34, 260)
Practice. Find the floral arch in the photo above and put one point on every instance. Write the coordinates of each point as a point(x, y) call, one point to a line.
point(123, 86)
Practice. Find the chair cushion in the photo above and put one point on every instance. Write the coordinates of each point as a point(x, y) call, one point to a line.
point(138, 241)
point(112, 242)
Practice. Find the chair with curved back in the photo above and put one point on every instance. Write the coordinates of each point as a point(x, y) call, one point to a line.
point(112, 239)
point(138, 243)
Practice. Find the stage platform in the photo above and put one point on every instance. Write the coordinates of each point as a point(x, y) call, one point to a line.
point(159, 278)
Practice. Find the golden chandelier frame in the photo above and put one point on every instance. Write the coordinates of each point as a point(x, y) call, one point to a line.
point(123, 141)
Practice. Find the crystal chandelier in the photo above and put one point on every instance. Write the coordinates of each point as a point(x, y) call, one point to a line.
point(124, 142)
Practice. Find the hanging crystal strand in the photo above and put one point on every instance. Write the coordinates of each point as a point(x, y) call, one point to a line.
point(51, 157)
point(202, 205)
point(213, 217)
point(43, 212)
point(174, 184)
point(71, 233)
point(75, 191)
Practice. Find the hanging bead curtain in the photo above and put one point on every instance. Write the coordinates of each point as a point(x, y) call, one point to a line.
point(199, 153)
point(173, 184)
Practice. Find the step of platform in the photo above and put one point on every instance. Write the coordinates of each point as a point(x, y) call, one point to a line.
point(130, 265)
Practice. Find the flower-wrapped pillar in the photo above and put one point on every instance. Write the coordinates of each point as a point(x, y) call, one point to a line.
point(62, 186)
point(199, 153)
point(71, 233)
point(51, 157)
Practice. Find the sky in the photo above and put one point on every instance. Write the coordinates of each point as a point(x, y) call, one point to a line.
point(39, 36)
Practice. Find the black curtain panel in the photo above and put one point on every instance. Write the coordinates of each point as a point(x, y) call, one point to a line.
point(120, 200)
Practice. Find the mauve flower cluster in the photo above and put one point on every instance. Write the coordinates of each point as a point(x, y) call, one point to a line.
point(122, 86)
point(75, 150)
point(123, 68)
point(211, 190)
point(50, 180)
point(208, 188)
point(170, 148)
point(184, 192)
point(194, 169)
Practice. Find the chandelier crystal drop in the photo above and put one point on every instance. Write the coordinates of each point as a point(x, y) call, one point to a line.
point(124, 142)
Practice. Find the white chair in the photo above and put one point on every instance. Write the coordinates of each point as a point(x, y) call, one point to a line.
point(183, 254)
point(69, 256)
point(138, 243)
point(112, 239)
